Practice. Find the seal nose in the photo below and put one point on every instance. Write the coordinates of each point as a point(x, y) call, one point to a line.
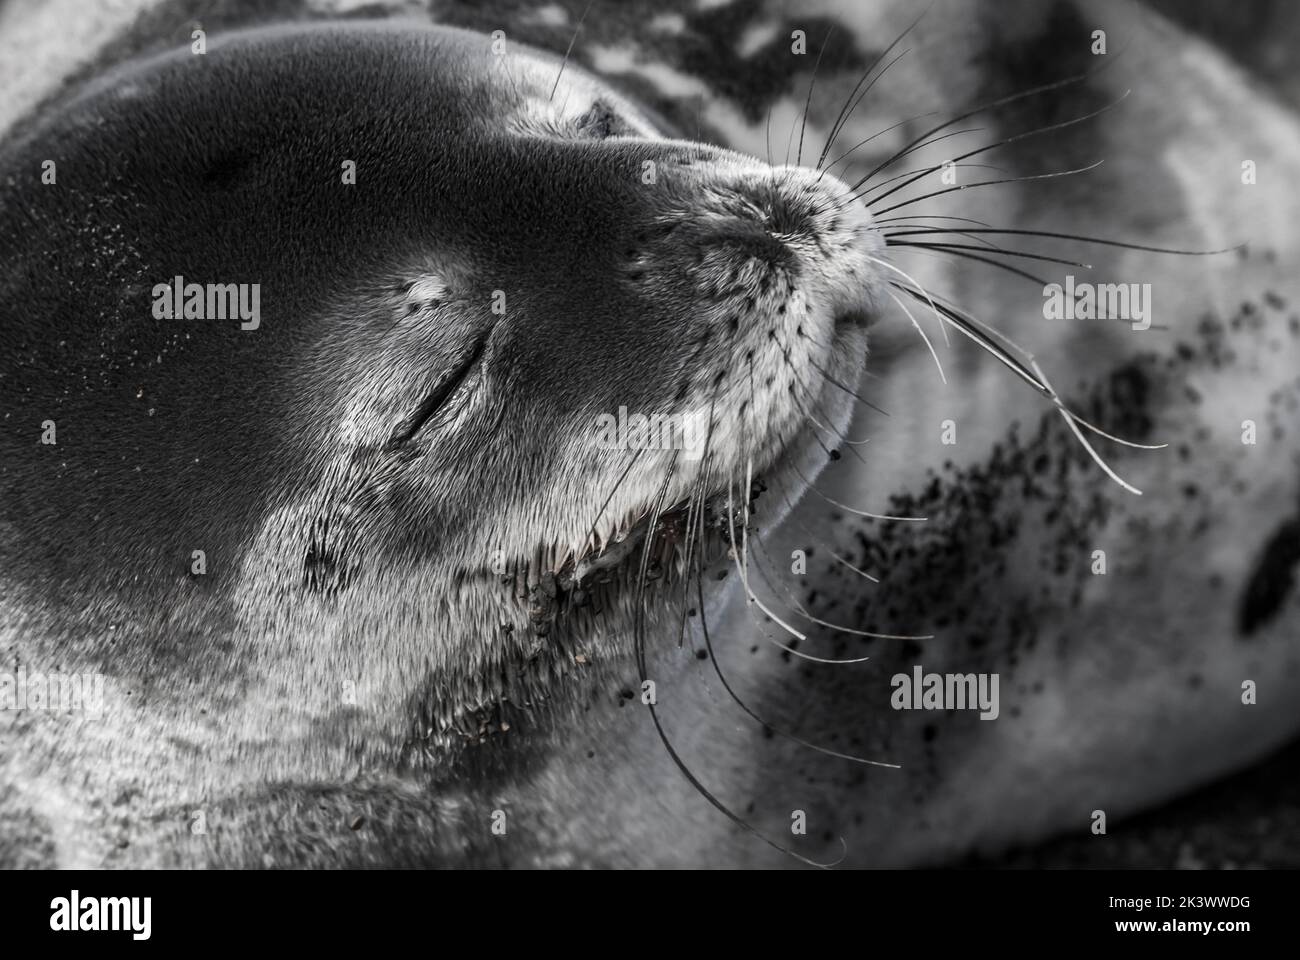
point(771, 213)
point(784, 213)
point(745, 237)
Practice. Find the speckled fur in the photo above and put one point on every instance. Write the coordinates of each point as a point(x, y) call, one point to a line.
point(999, 573)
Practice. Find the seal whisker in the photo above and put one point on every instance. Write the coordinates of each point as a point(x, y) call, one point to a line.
point(744, 580)
point(797, 381)
point(978, 331)
point(724, 809)
point(926, 216)
point(1074, 428)
point(949, 311)
point(825, 546)
point(505, 66)
point(696, 518)
point(639, 652)
point(808, 101)
point(1037, 131)
point(833, 454)
point(830, 454)
point(930, 346)
point(1009, 268)
point(744, 572)
point(717, 669)
point(878, 133)
point(803, 611)
point(685, 770)
point(741, 569)
point(1032, 374)
point(810, 397)
point(990, 105)
point(744, 529)
point(639, 606)
point(915, 283)
point(834, 381)
point(999, 251)
point(1080, 238)
point(569, 49)
point(854, 510)
point(578, 572)
point(858, 198)
point(992, 183)
point(864, 181)
point(1109, 436)
point(847, 111)
point(984, 243)
point(694, 513)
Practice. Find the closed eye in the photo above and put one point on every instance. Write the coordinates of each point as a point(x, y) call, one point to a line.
point(431, 404)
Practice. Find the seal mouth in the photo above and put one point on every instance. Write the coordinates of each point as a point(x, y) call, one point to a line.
point(665, 535)
point(669, 543)
point(668, 530)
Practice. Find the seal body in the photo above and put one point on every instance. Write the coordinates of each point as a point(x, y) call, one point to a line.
point(463, 257)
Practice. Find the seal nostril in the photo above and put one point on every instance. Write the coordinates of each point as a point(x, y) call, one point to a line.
point(784, 220)
point(745, 239)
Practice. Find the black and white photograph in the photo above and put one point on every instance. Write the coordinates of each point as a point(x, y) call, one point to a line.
point(558, 435)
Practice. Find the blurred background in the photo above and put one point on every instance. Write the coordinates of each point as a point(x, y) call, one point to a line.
point(1251, 820)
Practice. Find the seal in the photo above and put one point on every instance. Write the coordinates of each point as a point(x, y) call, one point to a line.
point(358, 498)
point(418, 438)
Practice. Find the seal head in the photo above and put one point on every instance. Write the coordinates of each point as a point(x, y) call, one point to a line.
point(454, 271)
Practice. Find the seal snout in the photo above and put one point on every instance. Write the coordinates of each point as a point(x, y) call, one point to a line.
point(764, 211)
point(772, 239)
